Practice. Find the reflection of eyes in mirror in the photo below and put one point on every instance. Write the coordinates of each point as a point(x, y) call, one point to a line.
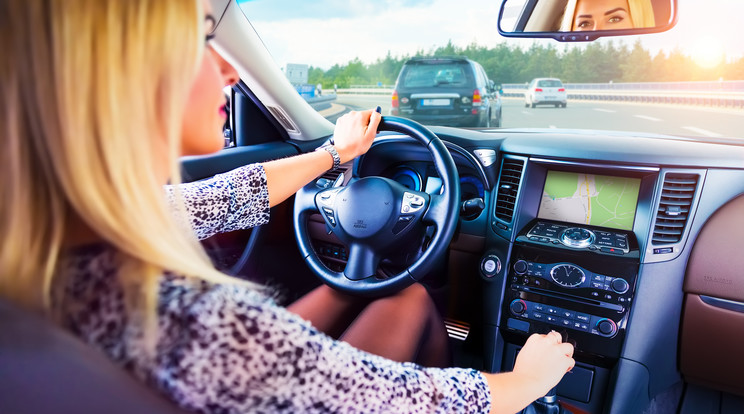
point(592, 15)
point(602, 17)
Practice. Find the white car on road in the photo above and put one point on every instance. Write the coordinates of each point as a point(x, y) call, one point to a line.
point(545, 91)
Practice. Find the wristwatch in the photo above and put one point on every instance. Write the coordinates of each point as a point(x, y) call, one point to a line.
point(332, 150)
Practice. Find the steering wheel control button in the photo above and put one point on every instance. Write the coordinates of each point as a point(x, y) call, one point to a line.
point(518, 307)
point(328, 198)
point(577, 237)
point(490, 265)
point(520, 267)
point(606, 327)
point(330, 217)
point(412, 203)
point(403, 222)
point(619, 285)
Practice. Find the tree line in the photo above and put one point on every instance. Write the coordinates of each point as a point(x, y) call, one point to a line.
point(592, 63)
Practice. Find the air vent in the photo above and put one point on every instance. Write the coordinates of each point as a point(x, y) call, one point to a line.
point(329, 178)
point(283, 118)
point(674, 207)
point(511, 174)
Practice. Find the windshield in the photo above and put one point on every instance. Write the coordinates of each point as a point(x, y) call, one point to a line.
point(443, 63)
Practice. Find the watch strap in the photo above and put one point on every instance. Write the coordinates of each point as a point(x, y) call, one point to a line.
point(336, 158)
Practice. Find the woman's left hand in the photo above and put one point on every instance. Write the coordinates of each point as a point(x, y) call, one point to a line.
point(354, 133)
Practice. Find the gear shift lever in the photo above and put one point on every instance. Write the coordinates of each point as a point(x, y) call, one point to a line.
point(547, 404)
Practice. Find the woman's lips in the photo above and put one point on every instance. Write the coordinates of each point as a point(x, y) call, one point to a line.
point(223, 111)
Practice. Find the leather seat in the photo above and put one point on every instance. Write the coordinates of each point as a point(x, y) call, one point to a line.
point(44, 369)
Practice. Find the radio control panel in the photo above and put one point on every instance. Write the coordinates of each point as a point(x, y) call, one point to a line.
point(564, 281)
point(597, 286)
point(580, 238)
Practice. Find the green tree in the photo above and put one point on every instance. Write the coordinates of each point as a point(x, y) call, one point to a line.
point(637, 66)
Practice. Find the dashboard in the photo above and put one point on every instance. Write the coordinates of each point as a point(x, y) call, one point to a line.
point(590, 233)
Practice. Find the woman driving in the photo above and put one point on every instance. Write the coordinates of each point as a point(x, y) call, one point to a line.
point(100, 99)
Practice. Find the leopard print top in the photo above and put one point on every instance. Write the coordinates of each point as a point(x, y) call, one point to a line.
point(230, 349)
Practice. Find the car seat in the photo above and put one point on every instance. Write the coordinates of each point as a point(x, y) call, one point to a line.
point(44, 369)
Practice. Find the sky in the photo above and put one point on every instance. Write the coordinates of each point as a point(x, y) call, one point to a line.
point(322, 33)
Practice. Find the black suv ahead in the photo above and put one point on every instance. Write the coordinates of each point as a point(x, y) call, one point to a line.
point(449, 91)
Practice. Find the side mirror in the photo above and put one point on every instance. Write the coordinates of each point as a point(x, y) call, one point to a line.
point(491, 86)
point(585, 20)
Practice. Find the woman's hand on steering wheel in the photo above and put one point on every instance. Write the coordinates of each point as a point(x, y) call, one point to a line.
point(354, 133)
point(373, 216)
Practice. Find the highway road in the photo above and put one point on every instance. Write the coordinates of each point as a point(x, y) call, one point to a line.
point(661, 119)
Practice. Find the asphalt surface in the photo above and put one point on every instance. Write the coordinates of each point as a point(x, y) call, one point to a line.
point(660, 119)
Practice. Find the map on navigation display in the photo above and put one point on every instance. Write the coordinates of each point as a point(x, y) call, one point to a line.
point(597, 200)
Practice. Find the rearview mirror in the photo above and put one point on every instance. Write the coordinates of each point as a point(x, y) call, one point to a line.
point(584, 20)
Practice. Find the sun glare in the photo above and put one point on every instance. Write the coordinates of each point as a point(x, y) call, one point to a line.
point(707, 52)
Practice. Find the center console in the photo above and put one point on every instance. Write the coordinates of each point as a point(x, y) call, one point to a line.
point(569, 261)
point(578, 280)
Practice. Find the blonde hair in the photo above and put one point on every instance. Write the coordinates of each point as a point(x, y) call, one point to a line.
point(641, 14)
point(93, 94)
point(568, 16)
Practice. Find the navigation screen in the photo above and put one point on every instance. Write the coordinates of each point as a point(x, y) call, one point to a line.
point(597, 200)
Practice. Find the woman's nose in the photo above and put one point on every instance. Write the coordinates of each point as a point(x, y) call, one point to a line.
point(229, 74)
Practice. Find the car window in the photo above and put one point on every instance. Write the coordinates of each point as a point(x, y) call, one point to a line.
point(549, 83)
point(441, 75)
point(482, 78)
point(688, 81)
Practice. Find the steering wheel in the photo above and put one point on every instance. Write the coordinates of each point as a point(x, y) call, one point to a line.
point(374, 216)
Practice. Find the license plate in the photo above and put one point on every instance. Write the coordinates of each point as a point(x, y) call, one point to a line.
point(549, 98)
point(435, 102)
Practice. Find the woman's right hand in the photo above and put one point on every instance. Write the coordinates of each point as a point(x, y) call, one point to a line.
point(539, 367)
point(545, 358)
point(354, 133)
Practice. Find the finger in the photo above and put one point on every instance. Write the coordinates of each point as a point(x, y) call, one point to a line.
point(535, 337)
point(572, 364)
point(366, 114)
point(567, 349)
point(374, 122)
point(555, 336)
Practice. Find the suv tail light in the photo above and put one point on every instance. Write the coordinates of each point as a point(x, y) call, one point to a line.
point(562, 90)
point(395, 99)
point(538, 89)
point(476, 98)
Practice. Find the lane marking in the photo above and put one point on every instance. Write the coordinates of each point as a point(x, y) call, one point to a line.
point(646, 117)
point(552, 126)
point(527, 113)
point(605, 110)
point(703, 132)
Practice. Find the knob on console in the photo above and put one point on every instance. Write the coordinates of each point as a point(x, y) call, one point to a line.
point(619, 285)
point(577, 237)
point(518, 306)
point(606, 327)
point(520, 267)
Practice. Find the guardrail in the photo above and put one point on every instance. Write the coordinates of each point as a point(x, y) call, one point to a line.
point(719, 94)
point(365, 91)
